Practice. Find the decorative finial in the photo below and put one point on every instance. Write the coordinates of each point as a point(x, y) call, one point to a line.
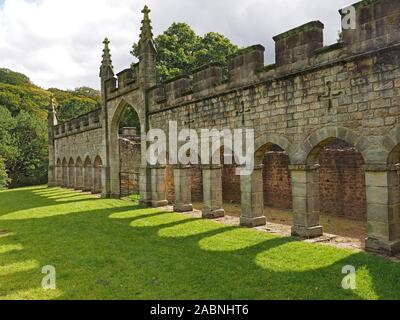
point(53, 104)
point(106, 69)
point(106, 54)
point(146, 33)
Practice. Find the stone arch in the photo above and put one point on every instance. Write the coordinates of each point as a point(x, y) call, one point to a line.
point(64, 173)
point(87, 175)
point(254, 187)
point(393, 144)
point(266, 141)
point(97, 175)
point(114, 153)
point(78, 174)
point(308, 150)
point(272, 151)
point(331, 178)
point(71, 173)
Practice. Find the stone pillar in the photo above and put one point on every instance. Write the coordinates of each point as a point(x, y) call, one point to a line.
point(71, 177)
point(383, 208)
point(158, 187)
point(59, 175)
point(183, 188)
point(145, 185)
point(252, 199)
point(92, 187)
point(78, 178)
point(305, 193)
point(212, 192)
point(52, 180)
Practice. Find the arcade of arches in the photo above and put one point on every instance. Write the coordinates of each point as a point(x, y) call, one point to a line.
point(325, 120)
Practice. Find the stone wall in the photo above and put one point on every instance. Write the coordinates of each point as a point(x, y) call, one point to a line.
point(311, 95)
point(342, 183)
point(276, 179)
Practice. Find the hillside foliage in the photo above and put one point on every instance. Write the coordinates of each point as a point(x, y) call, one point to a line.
point(23, 125)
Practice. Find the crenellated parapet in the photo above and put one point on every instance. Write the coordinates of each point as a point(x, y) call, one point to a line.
point(86, 122)
point(376, 26)
point(295, 48)
point(244, 64)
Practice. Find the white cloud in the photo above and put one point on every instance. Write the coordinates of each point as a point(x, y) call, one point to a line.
point(58, 43)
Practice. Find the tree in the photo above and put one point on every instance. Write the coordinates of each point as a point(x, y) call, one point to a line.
point(75, 103)
point(181, 50)
point(129, 118)
point(28, 163)
point(23, 125)
point(4, 180)
point(14, 78)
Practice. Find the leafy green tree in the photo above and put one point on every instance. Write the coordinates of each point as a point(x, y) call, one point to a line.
point(75, 103)
point(29, 165)
point(215, 47)
point(181, 50)
point(129, 118)
point(4, 180)
point(8, 149)
point(14, 78)
point(23, 125)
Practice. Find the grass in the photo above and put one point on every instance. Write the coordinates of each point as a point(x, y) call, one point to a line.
point(115, 249)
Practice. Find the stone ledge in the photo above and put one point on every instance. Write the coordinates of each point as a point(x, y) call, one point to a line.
point(253, 222)
point(307, 232)
point(380, 246)
point(213, 214)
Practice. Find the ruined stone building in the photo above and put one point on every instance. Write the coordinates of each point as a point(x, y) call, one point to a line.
point(326, 121)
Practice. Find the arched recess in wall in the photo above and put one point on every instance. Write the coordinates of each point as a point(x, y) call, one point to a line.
point(59, 172)
point(272, 152)
point(97, 178)
point(87, 175)
point(125, 150)
point(338, 183)
point(64, 173)
point(78, 174)
point(71, 173)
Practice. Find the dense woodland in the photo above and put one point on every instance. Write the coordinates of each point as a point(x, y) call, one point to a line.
point(23, 125)
point(24, 106)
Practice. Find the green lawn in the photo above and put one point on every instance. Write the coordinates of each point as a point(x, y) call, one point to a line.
point(115, 249)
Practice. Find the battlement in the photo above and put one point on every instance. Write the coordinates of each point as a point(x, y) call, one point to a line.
point(126, 80)
point(295, 47)
point(207, 77)
point(377, 25)
point(85, 122)
point(245, 63)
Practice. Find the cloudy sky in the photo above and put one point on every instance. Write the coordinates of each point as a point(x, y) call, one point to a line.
point(58, 43)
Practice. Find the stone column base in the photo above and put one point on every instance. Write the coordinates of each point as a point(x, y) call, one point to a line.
point(305, 232)
point(214, 214)
point(183, 207)
point(159, 203)
point(52, 185)
point(253, 222)
point(145, 202)
point(379, 246)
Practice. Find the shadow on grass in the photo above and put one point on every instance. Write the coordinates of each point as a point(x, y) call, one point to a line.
point(129, 252)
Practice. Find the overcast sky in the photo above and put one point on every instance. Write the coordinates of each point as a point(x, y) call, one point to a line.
point(58, 43)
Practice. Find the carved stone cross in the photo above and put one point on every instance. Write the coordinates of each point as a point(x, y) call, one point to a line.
point(329, 94)
point(242, 110)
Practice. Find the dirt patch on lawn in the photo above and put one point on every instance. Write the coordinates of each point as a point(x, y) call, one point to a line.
point(340, 232)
